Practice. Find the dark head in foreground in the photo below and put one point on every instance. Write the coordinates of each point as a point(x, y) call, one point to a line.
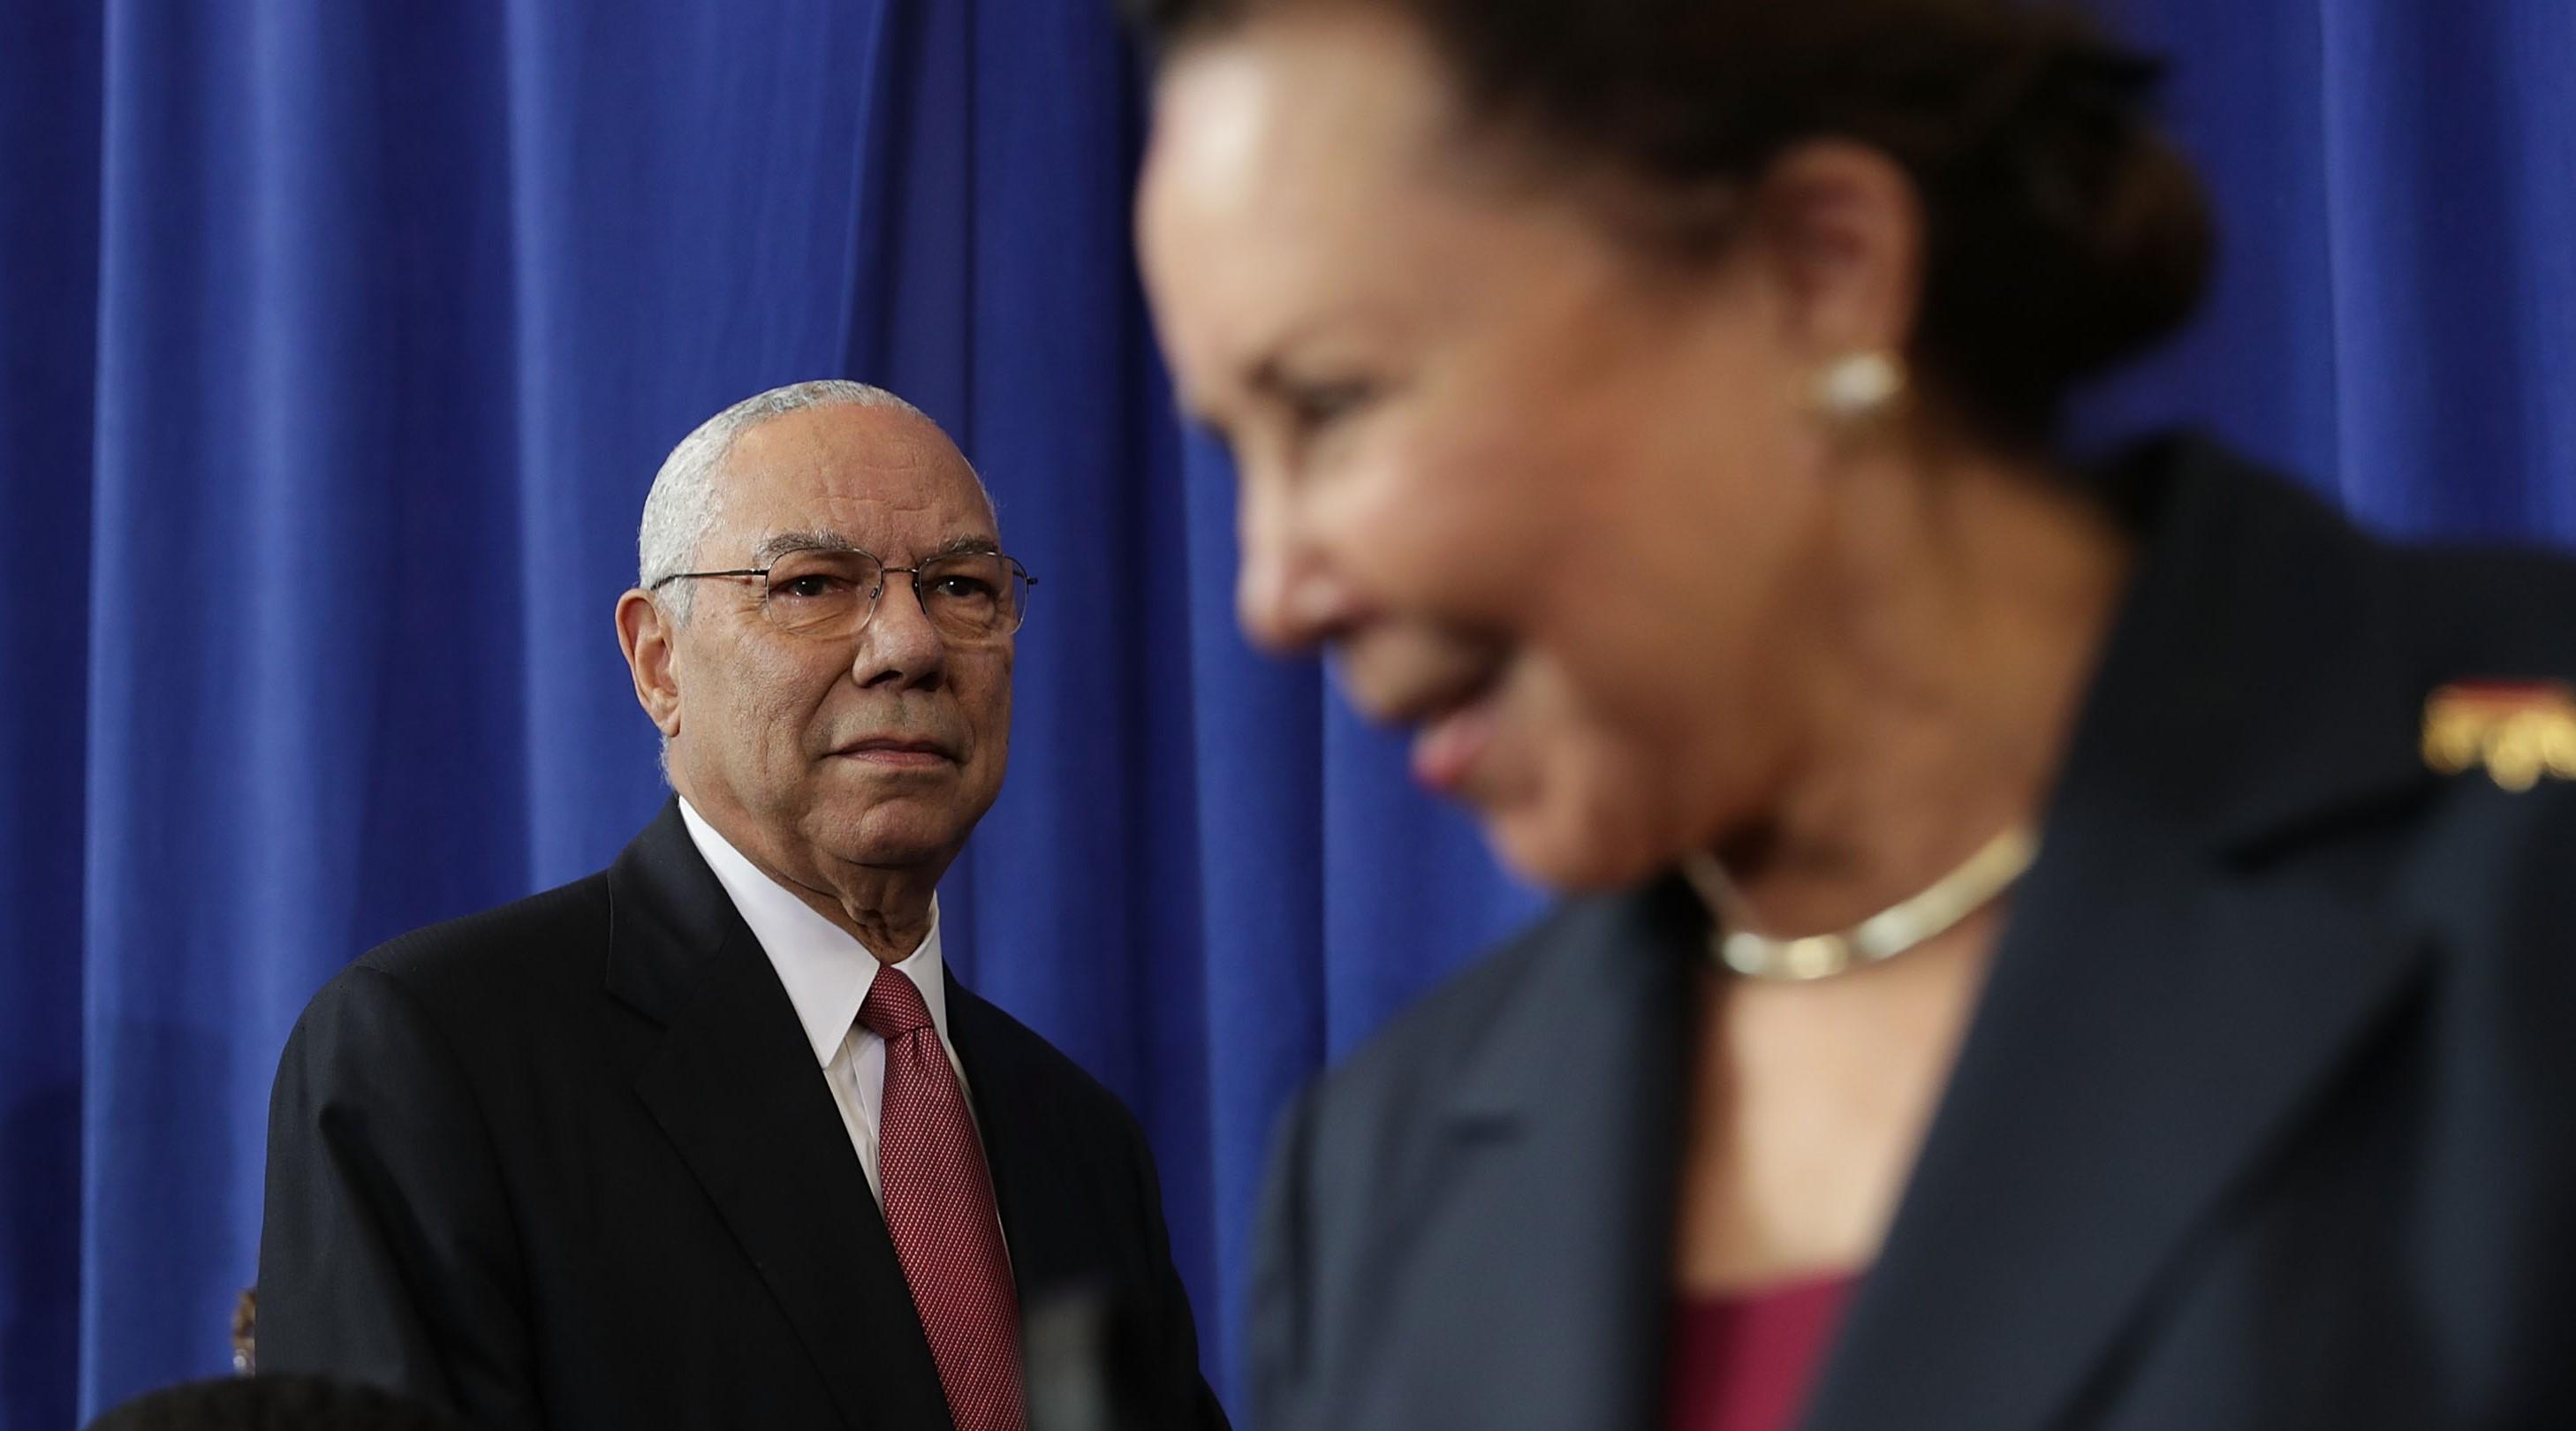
point(2030, 916)
point(275, 1403)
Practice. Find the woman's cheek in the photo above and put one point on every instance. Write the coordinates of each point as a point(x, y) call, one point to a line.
point(1586, 828)
point(1573, 800)
point(1457, 521)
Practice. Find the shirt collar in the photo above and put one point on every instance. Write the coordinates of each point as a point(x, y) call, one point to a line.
point(827, 971)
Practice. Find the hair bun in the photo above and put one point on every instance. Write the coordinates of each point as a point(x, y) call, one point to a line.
point(2151, 241)
point(2067, 237)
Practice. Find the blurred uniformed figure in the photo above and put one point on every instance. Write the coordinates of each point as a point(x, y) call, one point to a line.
point(2051, 944)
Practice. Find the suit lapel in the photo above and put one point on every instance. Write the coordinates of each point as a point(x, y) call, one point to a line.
point(734, 1085)
point(1016, 1112)
point(2173, 995)
point(1556, 1167)
point(2150, 1032)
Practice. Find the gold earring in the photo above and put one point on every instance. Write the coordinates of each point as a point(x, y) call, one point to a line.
point(1858, 387)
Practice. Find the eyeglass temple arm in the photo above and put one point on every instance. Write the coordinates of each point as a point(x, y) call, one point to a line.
point(661, 582)
point(913, 571)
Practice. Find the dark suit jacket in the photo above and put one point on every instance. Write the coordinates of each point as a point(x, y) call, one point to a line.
point(570, 1163)
point(2266, 1117)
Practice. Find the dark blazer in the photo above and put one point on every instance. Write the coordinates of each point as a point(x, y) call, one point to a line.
point(570, 1163)
point(2266, 1116)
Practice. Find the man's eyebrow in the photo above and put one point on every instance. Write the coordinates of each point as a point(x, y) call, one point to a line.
point(962, 546)
point(789, 543)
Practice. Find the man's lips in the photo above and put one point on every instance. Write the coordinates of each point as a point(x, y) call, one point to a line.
point(901, 752)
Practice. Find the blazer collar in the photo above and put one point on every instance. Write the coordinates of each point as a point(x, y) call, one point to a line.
point(2169, 999)
point(1561, 1130)
point(733, 1085)
point(2250, 687)
point(1603, 973)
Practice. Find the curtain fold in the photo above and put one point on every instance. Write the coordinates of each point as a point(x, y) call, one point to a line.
point(338, 344)
point(49, 260)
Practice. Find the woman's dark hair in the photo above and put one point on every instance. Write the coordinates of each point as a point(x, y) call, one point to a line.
point(2063, 234)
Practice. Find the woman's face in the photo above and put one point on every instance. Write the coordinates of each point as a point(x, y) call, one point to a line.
point(1541, 497)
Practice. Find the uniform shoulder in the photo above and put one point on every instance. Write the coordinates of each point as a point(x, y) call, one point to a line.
point(2490, 611)
point(2492, 857)
point(2480, 633)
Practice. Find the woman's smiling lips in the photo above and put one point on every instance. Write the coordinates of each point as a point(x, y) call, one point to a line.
point(1447, 748)
point(1447, 693)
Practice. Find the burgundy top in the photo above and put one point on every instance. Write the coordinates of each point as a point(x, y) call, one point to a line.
point(1747, 1363)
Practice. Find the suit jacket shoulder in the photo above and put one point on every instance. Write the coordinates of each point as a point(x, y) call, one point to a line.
point(2481, 868)
point(510, 974)
point(561, 929)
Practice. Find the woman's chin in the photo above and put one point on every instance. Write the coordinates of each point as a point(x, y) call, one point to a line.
point(1572, 854)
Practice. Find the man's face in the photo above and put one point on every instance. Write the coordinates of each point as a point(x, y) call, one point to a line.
point(881, 749)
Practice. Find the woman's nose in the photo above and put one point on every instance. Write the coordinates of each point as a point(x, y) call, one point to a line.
point(1288, 596)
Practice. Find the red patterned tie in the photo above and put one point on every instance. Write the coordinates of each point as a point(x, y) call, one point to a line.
point(939, 1208)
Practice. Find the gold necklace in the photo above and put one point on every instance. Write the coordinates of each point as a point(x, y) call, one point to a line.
point(1884, 935)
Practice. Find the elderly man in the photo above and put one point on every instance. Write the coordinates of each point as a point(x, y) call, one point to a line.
point(711, 1138)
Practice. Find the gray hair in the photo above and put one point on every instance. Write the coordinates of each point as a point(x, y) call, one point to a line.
point(683, 505)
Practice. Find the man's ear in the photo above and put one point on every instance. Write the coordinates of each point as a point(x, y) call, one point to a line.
point(645, 634)
point(1842, 227)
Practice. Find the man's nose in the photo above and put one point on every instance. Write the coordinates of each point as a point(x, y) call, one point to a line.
point(899, 646)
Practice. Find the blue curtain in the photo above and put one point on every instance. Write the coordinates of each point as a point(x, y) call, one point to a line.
point(339, 341)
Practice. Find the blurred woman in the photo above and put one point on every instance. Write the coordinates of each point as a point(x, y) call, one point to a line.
point(2029, 966)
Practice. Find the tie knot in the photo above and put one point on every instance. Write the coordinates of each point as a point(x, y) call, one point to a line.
point(893, 1006)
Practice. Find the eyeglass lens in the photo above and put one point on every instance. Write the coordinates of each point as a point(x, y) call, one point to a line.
point(969, 596)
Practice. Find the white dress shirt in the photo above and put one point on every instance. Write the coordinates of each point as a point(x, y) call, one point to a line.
point(828, 973)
